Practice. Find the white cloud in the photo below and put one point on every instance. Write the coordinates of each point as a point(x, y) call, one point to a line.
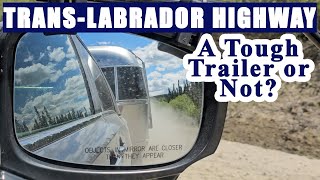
point(168, 68)
point(55, 76)
point(71, 64)
point(154, 74)
point(159, 84)
point(103, 43)
point(160, 69)
point(153, 57)
point(29, 58)
point(72, 97)
point(174, 77)
point(57, 54)
point(41, 55)
point(36, 74)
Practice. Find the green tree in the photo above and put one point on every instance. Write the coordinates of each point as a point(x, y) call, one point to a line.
point(41, 117)
point(179, 88)
point(73, 114)
point(69, 116)
point(43, 121)
point(50, 120)
point(36, 125)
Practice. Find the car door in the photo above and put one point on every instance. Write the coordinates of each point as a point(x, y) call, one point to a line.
point(63, 109)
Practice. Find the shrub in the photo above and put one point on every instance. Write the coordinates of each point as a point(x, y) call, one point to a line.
point(185, 104)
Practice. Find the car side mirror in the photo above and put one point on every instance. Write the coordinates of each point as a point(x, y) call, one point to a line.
point(62, 98)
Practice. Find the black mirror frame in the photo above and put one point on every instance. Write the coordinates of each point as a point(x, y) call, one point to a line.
point(18, 161)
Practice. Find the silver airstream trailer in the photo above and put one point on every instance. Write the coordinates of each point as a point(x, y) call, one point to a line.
point(126, 75)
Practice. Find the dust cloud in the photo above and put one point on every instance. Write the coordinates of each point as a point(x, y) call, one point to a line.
point(171, 129)
point(172, 136)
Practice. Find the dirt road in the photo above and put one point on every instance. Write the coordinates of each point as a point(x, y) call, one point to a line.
point(170, 128)
point(240, 161)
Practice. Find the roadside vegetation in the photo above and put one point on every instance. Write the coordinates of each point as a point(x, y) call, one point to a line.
point(184, 103)
point(186, 98)
point(44, 121)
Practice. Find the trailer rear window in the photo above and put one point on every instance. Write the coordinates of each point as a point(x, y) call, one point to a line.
point(131, 84)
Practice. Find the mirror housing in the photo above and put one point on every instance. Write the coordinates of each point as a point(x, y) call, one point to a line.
point(184, 42)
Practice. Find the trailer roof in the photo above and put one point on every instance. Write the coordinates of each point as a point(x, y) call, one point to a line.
point(114, 56)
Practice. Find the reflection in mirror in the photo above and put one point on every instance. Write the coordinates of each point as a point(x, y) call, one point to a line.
point(126, 105)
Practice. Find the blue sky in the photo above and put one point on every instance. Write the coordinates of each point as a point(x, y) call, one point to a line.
point(124, 40)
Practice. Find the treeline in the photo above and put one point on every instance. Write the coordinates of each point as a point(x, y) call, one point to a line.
point(185, 97)
point(191, 89)
point(45, 120)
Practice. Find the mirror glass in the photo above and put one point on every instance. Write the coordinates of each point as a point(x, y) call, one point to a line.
point(109, 99)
